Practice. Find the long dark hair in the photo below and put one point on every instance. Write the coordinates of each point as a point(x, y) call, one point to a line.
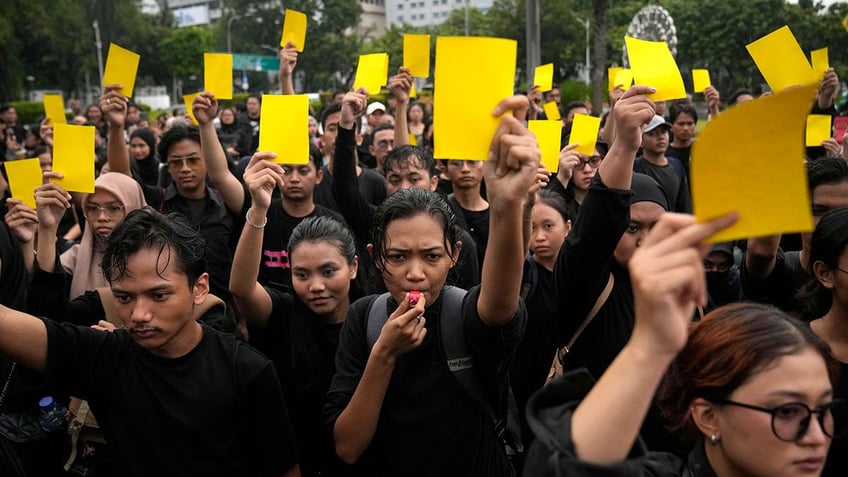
point(829, 241)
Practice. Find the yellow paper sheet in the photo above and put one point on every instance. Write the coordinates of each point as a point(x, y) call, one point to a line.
point(285, 127)
point(463, 124)
point(818, 129)
point(544, 77)
point(700, 80)
point(552, 110)
point(73, 156)
point(412, 140)
point(416, 55)
point(121, 68)
point(548, 135)
point(611, 73)
point(371, 72)
point(218, 74)
point(820, 62)
point(750, 159)
point(584, 131)
point(652, 65)
point(187, 100)
point(781, 61)
point(54, 108)
point(24, 177)
point(623, 78)
point(412, 92)
point(294, 29)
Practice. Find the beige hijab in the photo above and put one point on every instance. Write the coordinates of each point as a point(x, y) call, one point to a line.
point(83, 260)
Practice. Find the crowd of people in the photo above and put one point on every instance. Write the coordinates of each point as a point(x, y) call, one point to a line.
point(219, 310)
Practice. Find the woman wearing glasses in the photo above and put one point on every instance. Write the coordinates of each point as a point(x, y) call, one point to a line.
point(574, 176)
point(750, 384)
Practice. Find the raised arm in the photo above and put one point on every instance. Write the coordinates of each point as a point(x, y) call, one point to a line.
point(288, 60)
point(205, 108)
point(51, 203)
point(401, 84)
point(23, 338)
point(253, 302)
point(23, 223)
point(668, 282)
point(632, 111)
point(509, 174)
point(114, 107)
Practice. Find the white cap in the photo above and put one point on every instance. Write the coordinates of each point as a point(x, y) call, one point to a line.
point(655, 122)
point(375, 106)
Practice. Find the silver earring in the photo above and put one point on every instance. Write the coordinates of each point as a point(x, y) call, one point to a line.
point(713, 439)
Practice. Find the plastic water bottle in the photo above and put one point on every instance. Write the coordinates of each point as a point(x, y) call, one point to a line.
point(52, 414)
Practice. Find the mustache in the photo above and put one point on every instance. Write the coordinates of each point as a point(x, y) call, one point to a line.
point(143, 328)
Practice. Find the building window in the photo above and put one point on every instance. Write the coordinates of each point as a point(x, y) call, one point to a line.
point(400, 18)
point(400, 6)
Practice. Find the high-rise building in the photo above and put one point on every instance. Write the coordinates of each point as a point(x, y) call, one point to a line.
point(372, 22)
point(427, 12)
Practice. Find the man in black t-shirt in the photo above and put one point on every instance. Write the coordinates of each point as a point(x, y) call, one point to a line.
point(667, 171)
point(469, 206)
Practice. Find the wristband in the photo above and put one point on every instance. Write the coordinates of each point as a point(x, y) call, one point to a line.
point(247, 218)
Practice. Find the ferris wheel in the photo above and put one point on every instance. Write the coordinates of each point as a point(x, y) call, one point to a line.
point(652, 23)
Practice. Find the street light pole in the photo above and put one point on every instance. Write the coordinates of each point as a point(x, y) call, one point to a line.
point(229, 35)
point(99, 46)
point(586, 71)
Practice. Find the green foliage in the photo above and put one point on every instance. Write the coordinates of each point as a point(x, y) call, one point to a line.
point(182, 50)
point(572, 90)
point(29, 112)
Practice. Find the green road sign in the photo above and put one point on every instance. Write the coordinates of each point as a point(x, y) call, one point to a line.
point(255, 62)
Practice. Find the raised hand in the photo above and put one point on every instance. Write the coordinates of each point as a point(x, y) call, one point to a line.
point(404, 330)
point(353, 107)
point(205, 108)
point(833, 148)
point(22, 220)
point(288, 59)
point(631, 112)
point(713, 99)
point(568, 160)
point(261, 176)
point(401, 85)
point(114, 105)
point(828, 87)
point(51, 202)
point(46, 132)
point(514, 154)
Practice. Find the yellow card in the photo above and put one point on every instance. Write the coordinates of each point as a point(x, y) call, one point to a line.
point(845, 23)
point(700, 79)
point(73, 156)
point(611, 75)
point(294, 29)
point(416, 54)
point(371, 72)
point(584, 131)
point(819, 60)
point(24, 177)
point(218, 74)
point(548, 135)
point(412, 92)
point(54, 108)
point(544, 77)
point(781, 60)
point(623, 78)
point(552, 110)
point(652, 65)
point(187, 100)
point(818, 129)
point(285, 127)
point(121, 68)
point(463, 123)
point(746, 154)
point(412, 140)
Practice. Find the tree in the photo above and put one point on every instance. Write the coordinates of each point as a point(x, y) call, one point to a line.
point(599, 54)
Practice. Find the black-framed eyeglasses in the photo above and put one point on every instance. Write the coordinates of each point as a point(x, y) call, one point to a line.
point(594, 162)
point(790, 421)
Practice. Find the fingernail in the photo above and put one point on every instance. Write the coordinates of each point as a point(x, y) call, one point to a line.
point(653, 90)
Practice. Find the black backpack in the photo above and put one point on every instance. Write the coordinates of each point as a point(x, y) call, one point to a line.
point(505, 421)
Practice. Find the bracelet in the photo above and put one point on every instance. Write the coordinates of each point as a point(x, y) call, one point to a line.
point(247, 218)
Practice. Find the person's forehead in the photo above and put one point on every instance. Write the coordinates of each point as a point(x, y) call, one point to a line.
point(184, 147)
point(384, 134)
point(831, 195)
point(717, 256)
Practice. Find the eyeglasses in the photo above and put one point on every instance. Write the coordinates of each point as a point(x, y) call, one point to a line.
point(458, 164)
point(92, 211)
point(594, 162)
point(790, 421)
point(177, 164)
point(385, 144)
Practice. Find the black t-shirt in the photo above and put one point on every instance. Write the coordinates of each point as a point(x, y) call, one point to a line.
point(371, 184)
point(478, 227)
point(14, 279)
point(782, 284)
point(676, 187)
point(682, 154)
point(429, 425)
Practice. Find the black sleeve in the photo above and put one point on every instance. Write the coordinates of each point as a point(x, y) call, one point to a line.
point(684, 197)
point(583, 263)
point(48, 298)
point(154, 196)
point(245, 138)
point(355, 209)
point(776, 289)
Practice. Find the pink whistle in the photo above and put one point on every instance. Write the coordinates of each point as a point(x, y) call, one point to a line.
point(414, 295)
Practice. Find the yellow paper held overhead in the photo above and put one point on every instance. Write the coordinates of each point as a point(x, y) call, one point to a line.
point(416, 54)
point(818, 129)
point(372, 72)
point(544, 77)
point(623, 78)
point(218, 74)
point(820, 62)
point(412, 92)
point(751, 160)
point(653, 65)
point(548, 136)
point(552, 110)
point(285, 127)
point(54, 108)
point(121, 68)
point(294, 29)
point(611, 73)
point(584, 131)
point(700, 80)
point(73, 156)
point(24, 177)
point(781, 61)
point(187, 100)
point(463, 124)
